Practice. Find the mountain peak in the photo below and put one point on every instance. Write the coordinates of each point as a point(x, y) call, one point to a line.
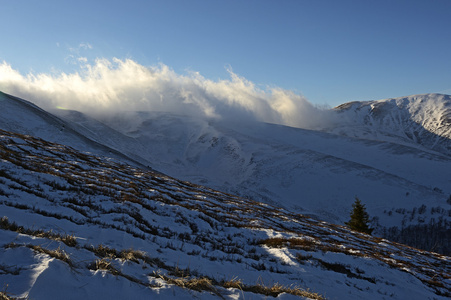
point(423, 120)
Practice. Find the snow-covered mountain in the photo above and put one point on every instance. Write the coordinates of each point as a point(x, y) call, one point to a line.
point(403, 183)
point(420, 119)
point(80, 226)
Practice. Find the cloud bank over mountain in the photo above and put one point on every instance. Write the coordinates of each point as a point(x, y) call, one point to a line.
point(108, 86)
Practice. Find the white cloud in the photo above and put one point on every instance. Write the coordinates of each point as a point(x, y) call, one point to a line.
point(75, 57)
point(85, 46)
point(70, 59)
point(113, 85)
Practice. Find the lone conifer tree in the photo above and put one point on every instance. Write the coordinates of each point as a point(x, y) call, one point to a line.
point(359, 218)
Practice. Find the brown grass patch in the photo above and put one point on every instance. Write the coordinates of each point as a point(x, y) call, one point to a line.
point(58, 253)
point(67, 239)
point(105, 265)
point(289, 243)
point(196, 284)
point(233, 283)
point(276, 289)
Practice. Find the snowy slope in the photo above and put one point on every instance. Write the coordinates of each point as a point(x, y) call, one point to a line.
point(78, 226)
point(420, 119)
point(309, 171)
point(21, 116)
point(402, 182)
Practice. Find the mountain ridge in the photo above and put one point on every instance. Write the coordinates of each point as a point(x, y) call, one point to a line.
point(422, 119)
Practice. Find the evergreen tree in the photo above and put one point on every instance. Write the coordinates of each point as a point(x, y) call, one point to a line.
point(359, 218)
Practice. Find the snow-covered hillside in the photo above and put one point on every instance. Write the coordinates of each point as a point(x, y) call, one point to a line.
point(21, 116)
point(419, 119)
point(79, 226)
point(403, 183)
point(312, 172)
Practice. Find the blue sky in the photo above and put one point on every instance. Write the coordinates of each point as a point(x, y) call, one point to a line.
point(329, 51)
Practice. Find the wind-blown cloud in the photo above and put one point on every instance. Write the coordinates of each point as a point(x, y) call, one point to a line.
point(108, 86)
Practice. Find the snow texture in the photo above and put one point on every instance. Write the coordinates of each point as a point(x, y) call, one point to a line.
point(82, 218)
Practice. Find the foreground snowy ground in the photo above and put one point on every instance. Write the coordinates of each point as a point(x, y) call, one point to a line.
point(78, 226)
